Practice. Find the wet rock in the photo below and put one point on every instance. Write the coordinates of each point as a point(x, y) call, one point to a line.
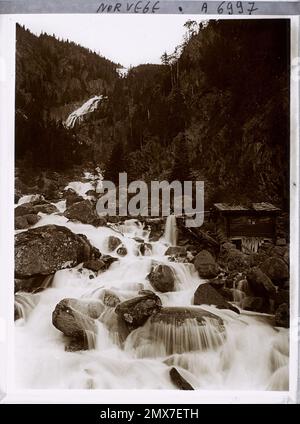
point(175, 330)
point(282, 316)
point(110, 298)
point(176, 251)
point(207, 295)
point(122, 251)
point(113, 242)
point(179, 381)
point(135, 312)
point(227, 294)
point(144, 247)
point(276, 269)
point(280, 251)
point(282, 296)
point(26, 221)
point(76, 344)
point(72, 197)
point(218, 282)
point(84, 212)
point(256, 304)
point(177, 315)
point(74, 317)
point(33, 284)
point(162, 278)
point(24, 304)
point(206, 265)
point(95, 265)
point(49, 187)
point(46, 249)
point(108, 260)
point(33, 208)
point(92, 193)
point(236, 260)
point(281, 242)
point(259, 283)
point(230, 279)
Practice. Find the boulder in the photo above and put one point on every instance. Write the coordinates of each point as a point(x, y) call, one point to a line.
point(176, 251)
point(33, 284)
point(110, 299)
point(206, 265)
point(135, 312)
point(49, 187)
point(237, 260)
point(162, 278)
point(276, 269)
point(256, 304)
point(282, 316)
point(145, 247)
point(113, 242)
point(178, 315)
point(122, 251)
point(84, 212)
point(175, 330)
point(46, 249)
point(72, 197)
point(218, 282)
point(95, 265)
point(260, 284)
point(207, 295)
point(92, 193)
point(25, 221)
point(281, 242)
point(280, 251)
point(179, 381)
point(74, 317)
point(108, 260)
point(282, 296)
point(227, 294)
point(33, 208)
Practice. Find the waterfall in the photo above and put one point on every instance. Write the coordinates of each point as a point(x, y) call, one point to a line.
point(160, 338)
point(170, 234)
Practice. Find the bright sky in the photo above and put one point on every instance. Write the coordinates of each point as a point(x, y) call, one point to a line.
point(128, 39)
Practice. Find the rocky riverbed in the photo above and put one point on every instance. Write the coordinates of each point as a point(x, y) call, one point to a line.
point(108, 303)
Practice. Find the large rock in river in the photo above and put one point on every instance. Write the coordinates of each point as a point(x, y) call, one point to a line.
point(183, 329)
point(72, 197)
point(206, 265)
point(162, 278)
point(25, 221)
point(35, 207)
point(84, 212)
point(207, 295)
point(135, 312)
point(282, 316)
point(46, 249)
point(276, 269)
point(74, 317)
point(259, 283)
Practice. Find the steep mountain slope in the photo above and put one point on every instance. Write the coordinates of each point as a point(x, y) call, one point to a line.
point(216, 110)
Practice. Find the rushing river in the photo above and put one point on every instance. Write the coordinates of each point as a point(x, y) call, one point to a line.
point(252, 356)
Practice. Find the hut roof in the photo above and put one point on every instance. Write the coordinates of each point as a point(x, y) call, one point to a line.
point(255, 207)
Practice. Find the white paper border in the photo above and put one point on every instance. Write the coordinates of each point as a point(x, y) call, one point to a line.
point(9, 393)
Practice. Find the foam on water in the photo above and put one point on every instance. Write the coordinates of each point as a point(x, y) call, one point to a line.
point(248, 354)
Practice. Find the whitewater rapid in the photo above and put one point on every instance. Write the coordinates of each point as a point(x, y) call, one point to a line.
point(252, 356)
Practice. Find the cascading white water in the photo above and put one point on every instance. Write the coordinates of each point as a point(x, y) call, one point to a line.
point(170, 234)
point(249, 354)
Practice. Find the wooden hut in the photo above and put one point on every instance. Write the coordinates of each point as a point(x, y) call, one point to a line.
point(246, 227)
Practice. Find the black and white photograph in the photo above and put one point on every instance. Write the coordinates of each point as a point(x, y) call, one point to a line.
point(152, 203)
